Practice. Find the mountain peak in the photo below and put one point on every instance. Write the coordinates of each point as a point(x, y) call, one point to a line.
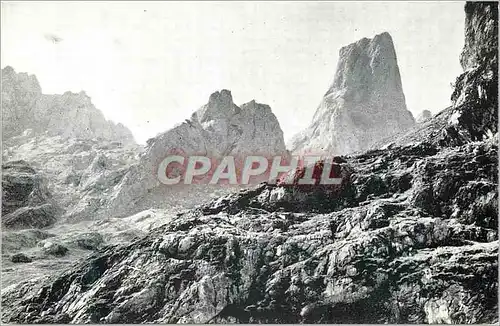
point(68, 114)
point(424, 116)
point(223, 97)
point(368, 64)
point(383, 36)
point(220, 106)
point(8, 70)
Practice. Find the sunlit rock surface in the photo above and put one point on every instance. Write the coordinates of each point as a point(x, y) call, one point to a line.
point(364, 104)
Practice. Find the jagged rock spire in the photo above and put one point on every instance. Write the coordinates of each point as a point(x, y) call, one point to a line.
point(365, 102)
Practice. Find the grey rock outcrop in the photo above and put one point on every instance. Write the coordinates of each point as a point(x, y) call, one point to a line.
point(20, 258)
point(21, 186)
point(68, 115)
point(54, 249)
point(364, 104)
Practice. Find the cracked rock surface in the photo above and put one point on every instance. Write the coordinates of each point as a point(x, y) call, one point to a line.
point(68, 115)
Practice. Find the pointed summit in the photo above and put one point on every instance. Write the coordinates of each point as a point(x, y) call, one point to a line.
point(220, 105)
point(364, 104)
point(424, 116)
point(223, 98)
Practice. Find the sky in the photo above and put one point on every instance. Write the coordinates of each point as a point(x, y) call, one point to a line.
point(149, 65)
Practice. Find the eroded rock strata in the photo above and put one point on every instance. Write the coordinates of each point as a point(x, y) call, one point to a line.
point(364, 104)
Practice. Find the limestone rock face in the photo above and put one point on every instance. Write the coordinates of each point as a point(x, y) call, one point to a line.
point(68, 115)
point(475, 98)
point(481, 34)
point(222, 128)
point(365, 102)
point(74, 115)
point(219, 128)
point(80, 173)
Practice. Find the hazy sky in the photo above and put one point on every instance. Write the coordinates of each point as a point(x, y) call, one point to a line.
point(149, 65)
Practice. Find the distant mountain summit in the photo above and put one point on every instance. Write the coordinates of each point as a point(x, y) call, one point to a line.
point(220, 128)
point(365, 102)
point(217, 129)
point(68, 115)
point(409, 237)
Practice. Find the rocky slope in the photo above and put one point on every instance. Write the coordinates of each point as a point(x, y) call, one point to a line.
point(68, 115)
point(219, 128)
point(364, 104)
point(31, 253)
point(61, 160)
point(54, 192)
point(410, 236)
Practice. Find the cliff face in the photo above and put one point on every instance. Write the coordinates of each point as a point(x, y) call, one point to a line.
point(68, 115)
point(364, 104)
point(221, 128)
point(26, 200)
point(481, 35)
point(74, 115)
